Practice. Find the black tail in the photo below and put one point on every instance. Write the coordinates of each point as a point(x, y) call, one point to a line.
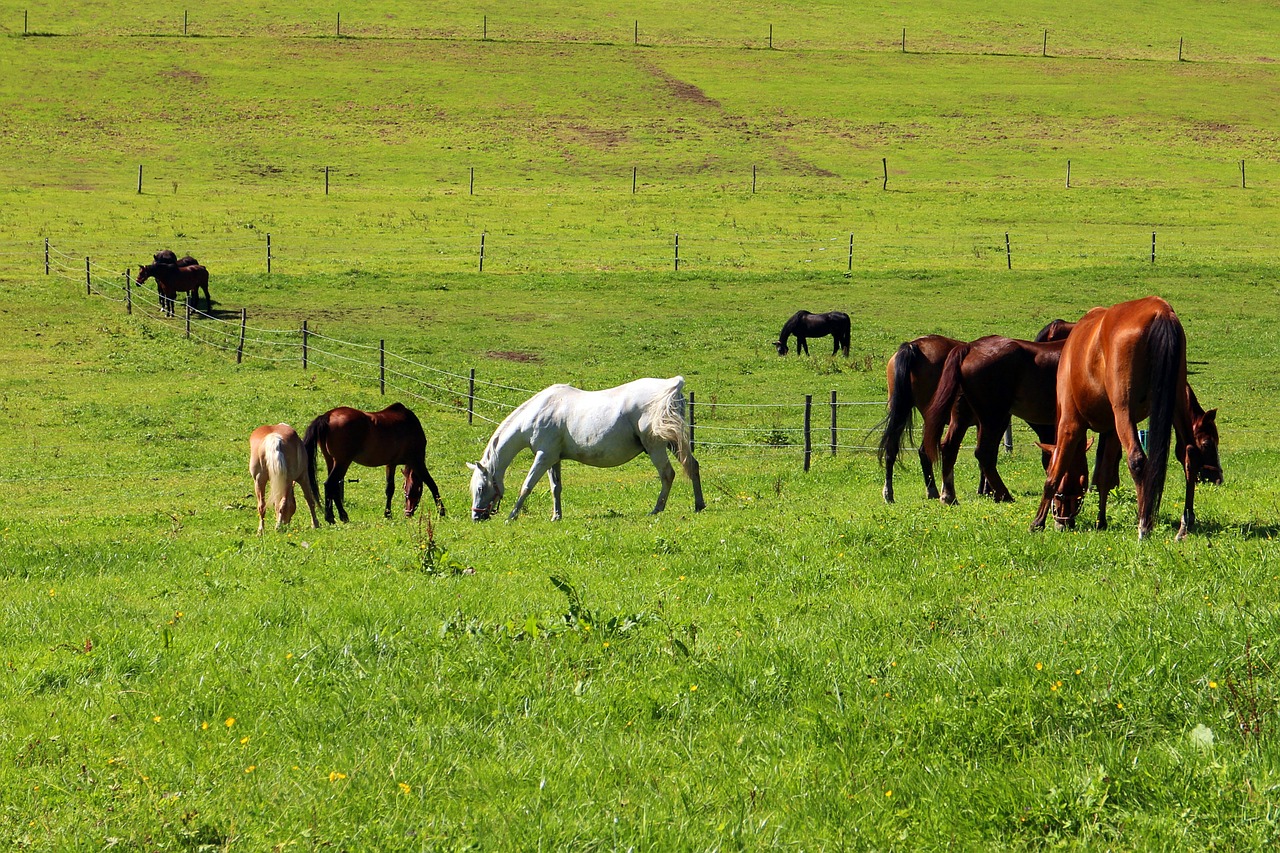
point(939, 411)
point(1167, 353)
point(317, 431)
point(901, 415)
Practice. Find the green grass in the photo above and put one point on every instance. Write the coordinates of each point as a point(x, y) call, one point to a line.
point(798, 666)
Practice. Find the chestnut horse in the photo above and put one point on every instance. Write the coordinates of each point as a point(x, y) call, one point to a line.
point(805, 325)
point(172, 280)
point(992, 379)
point(388, 438)
point(912, 374)
point(1120, 365)
point(277, 460)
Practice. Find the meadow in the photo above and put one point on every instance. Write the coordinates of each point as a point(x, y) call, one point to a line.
point(799, 666)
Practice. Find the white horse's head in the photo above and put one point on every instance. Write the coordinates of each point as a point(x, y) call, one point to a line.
point(486, 493)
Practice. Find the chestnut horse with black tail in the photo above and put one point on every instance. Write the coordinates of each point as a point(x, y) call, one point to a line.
point(987, 382)
point(805, 325)
point(388, 438)
point(1120, 365)
point(172, 280)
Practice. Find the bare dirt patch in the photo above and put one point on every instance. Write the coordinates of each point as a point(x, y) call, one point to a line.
point(681, 90)
point(522, 357)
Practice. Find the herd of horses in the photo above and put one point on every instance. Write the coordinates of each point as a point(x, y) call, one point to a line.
point(1107, 372)
point(176, 275)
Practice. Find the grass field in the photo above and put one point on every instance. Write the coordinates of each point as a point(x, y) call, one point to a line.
point(799, 666)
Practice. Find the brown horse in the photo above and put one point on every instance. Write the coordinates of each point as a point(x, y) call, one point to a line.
point(1120, 365)
point(987, 382)
point(277, 460)
point(172, 280)
point(805, 325)
point(912, 375)
point(390, 437)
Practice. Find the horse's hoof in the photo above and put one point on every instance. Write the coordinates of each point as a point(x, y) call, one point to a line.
point(699, 507)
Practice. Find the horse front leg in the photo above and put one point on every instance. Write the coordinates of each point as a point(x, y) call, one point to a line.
point(553, 477)
point(1191, 462)
point(312, 499)
point(391, 490)
point(541, 462)
point(802, 344)
point(435, 490)
point(1106, 472)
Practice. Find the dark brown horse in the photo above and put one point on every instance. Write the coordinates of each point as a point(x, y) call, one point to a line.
point(805, 325)
point(912, 375)
point(1120, 365)
point(388, 438)
point(172, 280)
point(987, 382)
point(167, 256)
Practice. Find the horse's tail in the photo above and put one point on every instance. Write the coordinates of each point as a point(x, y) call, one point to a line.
point(901, 416)
point(1167, 353)
point(277, 465)
point(944, 396)
point(667, 416)
point(317, 431)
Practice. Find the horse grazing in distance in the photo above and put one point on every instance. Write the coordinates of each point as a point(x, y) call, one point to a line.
point(387, 438)
point(1054, 330)
point(277, 460)
point(986, 382)
point(603, 429)
point(805, 325)
point(1120, 364)
point(172, 280)
point(912, 375)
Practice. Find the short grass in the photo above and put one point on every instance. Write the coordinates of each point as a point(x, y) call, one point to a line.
point(800, 665)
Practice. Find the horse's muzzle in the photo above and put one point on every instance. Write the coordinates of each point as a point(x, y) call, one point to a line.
point(1212, 476)
point(481, 513)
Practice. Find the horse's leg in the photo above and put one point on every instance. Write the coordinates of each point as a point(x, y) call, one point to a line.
point(1106, 472)
point(541, 462)
point(553, 477)
point(987, 452)
point(961, 420)
point(1191, 458)
point(666, 473)
point(259, 472)
point(802, 344)
point(435, 490)
point(312, 499)
point(335, 490)
point(288, 506)
point(391, 489)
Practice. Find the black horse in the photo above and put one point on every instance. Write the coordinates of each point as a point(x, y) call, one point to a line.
point(805, 325)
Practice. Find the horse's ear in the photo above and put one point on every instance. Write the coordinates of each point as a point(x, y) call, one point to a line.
point(474, 467)
point(1210, 416)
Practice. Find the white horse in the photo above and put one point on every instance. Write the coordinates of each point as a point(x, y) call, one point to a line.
point(598, 428)
point(276, 461)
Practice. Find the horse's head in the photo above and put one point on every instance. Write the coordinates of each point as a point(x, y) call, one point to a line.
point(1067, 480)
point(144, 272)
point(486, 493)
point(413, 482)
point(781, 347)
point(1204, 428)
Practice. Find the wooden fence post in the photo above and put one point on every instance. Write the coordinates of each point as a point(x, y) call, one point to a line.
point(771, 37)
point(128, 291)
point(46, 255)
point(1068, 174)
point(851, 252)
point(482, 235)
point(833, 422)
point(884, 161)
point(808, 437)
point(187, 332)
point(1008, 250)
point(1243, 185)
point(471, 396)
point(753, 179)
point(268, 254)
point(633, 180)
point(244, 316)
point(677, 252)
point(326, 180)
point(471, 187)
point(904, 39)
point(382, 366)
point(1153, 247)
point(1044, 51)
point(88, 278)
point(139, 179)
point(635, 39)
point(304, 344)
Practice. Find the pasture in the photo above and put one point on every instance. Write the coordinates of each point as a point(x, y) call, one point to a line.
point(797, 666)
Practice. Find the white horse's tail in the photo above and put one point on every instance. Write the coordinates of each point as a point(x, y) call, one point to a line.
point(277, 464)
point(667, 417)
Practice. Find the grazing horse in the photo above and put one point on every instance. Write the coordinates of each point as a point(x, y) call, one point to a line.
point(598, 428)
point(996, 378)
point(1120, 365)
point(166, 256)
point(805, 325)
point(1054, 330)
point(172, 280)
point(912, 373)
point(387, 438)
point(277, 460)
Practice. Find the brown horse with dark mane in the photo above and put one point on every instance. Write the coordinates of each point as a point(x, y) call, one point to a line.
point(987, 382)
point(912, 375)
point(1120, 365)
point(804, 325)
point(172, 280)
point(388, 438)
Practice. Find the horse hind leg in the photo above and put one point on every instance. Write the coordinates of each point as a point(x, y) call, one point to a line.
point(260, 492)
point(667, 474)
point(391, 489)
point(335, 493)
